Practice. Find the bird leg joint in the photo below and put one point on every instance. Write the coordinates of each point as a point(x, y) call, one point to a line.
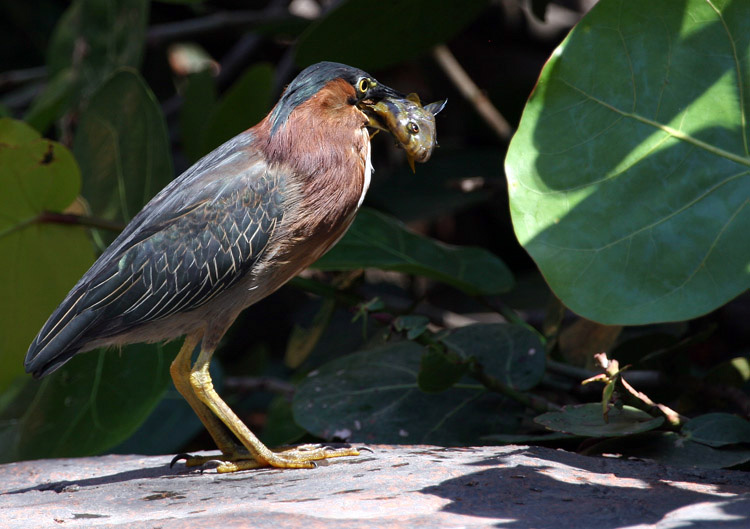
point(201, 381)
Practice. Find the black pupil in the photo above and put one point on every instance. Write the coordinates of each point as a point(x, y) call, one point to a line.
point(413, 127)
point(363, 85)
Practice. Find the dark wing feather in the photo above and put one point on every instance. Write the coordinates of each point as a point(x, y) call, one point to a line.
point(193, 241)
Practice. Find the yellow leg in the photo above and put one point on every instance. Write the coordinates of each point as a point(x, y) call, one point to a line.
point(196, 386)
point(180, 371)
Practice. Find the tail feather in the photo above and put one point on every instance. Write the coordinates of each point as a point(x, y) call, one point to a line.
point(60, 338)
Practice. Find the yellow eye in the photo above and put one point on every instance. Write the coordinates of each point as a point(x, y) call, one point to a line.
point(363, 85)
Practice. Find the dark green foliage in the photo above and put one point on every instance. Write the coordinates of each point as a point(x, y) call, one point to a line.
point(627, 184)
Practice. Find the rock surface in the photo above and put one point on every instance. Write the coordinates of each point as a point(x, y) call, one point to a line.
point(397, 486)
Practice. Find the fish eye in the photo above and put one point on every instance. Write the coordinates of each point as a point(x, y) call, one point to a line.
point(412, 127)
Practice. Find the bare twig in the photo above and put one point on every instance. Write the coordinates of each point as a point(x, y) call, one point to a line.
point(221, 21)
point(472, 93)
point(79, 220)
point(51, 217)
point(16, 77)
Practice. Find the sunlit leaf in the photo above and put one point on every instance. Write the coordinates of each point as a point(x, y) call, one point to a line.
point(40, 261)
point(378, 241)
point(629, 175)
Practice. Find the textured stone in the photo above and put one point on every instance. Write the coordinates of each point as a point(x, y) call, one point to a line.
point(397, 486)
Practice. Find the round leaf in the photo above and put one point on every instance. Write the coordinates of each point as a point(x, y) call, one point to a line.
point(372, 396)
point(587, 420)
point(40, 261)
point(629, 175)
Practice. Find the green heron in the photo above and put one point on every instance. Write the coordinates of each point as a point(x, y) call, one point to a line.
point(229, 231)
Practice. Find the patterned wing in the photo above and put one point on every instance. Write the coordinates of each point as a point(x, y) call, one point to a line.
point(195, 240)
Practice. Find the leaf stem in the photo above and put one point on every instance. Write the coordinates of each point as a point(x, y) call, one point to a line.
point(472, 93)
point(51, 217)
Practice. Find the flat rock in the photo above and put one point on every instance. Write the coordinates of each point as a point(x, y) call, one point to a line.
point(396, 486)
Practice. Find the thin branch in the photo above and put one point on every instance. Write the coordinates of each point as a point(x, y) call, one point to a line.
point(221, 21)
point(51, 217)
point(472, 93)
point(16, 77)
point(79, 220)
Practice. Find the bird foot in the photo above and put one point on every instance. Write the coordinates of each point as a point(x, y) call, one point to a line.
point(303, 456)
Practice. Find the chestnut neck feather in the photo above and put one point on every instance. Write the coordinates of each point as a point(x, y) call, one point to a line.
point(323, 144)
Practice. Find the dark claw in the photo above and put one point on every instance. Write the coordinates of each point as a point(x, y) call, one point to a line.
point(179, 457)
point(366, 449)
point(212, 463)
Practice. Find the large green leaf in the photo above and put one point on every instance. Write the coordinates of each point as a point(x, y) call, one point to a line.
point(122, 147)
point(89, 405)
point(376, 240)
point(372, 396)
point(629, 175)
point(40, 261)
point(376, 35)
